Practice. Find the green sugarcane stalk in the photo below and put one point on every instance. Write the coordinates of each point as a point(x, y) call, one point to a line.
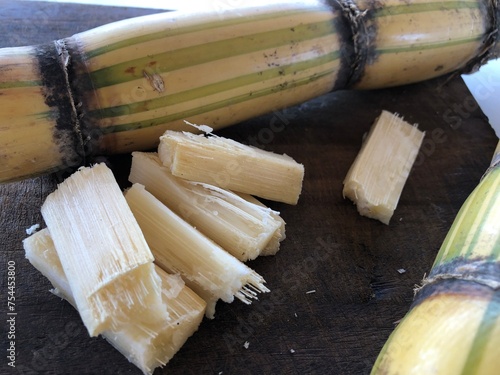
point(453, 326)
point(117, 88)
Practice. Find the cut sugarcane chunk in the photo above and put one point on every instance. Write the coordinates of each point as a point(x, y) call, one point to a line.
point(231, 165)
point(279, 235)
point(147, 347)
point(180, 248)
point(104, 254)
point(243, 228)
point(379, 172)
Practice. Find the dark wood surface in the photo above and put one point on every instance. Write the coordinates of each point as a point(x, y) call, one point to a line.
point(349, 261)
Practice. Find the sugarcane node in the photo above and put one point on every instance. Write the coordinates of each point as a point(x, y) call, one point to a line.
point(479, 270)
point(465, 288)
point(495, 163)
point(495, 51)
point(53, 60)
point(362, 38)
point(347, 54)
point(490, 45)
point(81, 87)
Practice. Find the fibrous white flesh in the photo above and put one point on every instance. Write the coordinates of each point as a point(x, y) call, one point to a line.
point(180, 248)
point(377, 176)
point(241, 227)
point(279, 234)
point(147, 347)
point(231, 165)
point(103, 252)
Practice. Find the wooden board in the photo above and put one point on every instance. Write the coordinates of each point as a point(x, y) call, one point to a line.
point(336, 290)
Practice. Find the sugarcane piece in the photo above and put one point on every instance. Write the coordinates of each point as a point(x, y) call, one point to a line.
point(222, 68)
point(145, 347)
point(232, 165)
point(377, 177)
point(412, 39)
point(242, 228)
point(279, 235)
point(269, 219)
point(179, 248)
point(453, 325)
point(120, 86)
point(104, 254)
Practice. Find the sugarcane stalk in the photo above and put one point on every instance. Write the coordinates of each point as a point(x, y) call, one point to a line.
point(117, 88)
point(453, 325)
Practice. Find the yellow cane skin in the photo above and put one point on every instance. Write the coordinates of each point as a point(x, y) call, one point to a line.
point(130, 81)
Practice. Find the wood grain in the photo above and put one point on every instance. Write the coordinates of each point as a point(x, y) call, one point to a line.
point(336, 289)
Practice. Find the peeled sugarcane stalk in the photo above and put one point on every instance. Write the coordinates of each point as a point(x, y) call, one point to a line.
point(180, 248)
point(231, 165)
point(378, 175)
point(147, 347)
point(105, 256)
point(453, 326)
point(279, 235)
point(244, 229)
point(118, 87)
